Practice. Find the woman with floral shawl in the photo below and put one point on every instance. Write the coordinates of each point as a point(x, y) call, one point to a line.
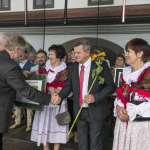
point(130, 134)
point(45, 129)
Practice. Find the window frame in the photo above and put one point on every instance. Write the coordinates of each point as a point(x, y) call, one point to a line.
point(42, 6)
point(90, 3)
point(5, 8)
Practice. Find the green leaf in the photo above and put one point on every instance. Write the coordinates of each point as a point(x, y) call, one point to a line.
point(101, 61)
point(101, 80)
point(97, 63)
point(99, 70)
point(93, 74)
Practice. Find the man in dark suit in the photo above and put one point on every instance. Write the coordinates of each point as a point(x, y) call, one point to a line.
point(90, 124)
point(11, 80)
point(24, 65)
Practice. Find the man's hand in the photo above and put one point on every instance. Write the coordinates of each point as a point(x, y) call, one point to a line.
point(51, 90)
point(26, 73)
point(33, 73)
point(122, 114)
point(89, 99)
point(55, 99)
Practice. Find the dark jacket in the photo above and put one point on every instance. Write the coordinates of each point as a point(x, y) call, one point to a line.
point(11, 81)
point(99, 110)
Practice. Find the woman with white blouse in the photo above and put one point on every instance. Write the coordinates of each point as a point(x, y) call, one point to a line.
point(131, 134)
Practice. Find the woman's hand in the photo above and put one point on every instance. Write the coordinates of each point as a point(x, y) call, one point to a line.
point(51, 90)
point(122, 114)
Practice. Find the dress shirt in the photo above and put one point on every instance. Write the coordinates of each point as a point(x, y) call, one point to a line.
point(87, 67)
point(40, 66)
point(22, 64)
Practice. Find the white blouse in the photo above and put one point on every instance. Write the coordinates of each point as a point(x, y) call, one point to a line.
point(51, 76)
point(142, 109)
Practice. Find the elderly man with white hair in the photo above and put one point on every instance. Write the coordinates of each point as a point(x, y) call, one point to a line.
point(12, 81)
point(32, 57)
point(3, 38)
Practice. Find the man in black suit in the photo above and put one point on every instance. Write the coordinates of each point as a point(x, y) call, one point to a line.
point(90, 124)
point(11, 80)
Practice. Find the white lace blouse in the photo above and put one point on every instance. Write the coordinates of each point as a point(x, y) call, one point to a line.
point(51, 76)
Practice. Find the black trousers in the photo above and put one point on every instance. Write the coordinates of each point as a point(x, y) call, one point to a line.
point(1, 142)
point(90, 133)
point(70, 109)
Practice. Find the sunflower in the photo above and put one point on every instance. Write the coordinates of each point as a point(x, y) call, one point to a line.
point(99, 55)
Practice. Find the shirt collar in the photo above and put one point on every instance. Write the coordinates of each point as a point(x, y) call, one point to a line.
point(128, 76)
point(10, 55)
point(87, 63)
point(24, 62)
point(40, 66)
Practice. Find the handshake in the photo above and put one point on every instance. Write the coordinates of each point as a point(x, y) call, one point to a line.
point(55, 99)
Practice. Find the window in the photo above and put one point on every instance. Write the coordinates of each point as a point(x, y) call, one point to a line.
point(40, 4)
point(101, 2)
point(4, 5)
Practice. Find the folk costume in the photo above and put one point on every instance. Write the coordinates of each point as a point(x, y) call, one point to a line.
point(133, 135)
point(45, 128)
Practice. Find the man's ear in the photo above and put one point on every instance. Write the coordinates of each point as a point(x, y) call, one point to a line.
point(88, 53)
point(16, 49)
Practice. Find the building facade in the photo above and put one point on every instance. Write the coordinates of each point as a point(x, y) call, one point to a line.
point(64, 21)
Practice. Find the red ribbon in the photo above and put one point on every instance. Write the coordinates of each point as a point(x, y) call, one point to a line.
point(51, 70)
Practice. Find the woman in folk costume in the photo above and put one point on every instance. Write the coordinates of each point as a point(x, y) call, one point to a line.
point(131, 134)
point(45, 129)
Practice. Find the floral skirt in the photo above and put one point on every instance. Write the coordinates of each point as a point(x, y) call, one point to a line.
point(134, 136)
point(45, 128)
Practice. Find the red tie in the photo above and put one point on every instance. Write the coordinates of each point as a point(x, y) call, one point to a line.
point(81, 79)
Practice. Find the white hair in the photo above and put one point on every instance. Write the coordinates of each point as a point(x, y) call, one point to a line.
point(3, 36)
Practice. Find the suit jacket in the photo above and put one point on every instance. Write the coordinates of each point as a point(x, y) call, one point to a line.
point(99, 110)
point(11, 81)
point(27, 65)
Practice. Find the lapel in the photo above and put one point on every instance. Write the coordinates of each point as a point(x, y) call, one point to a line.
point(93, 65)
point(26, 64)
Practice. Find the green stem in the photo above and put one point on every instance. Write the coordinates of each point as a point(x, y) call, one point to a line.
point(92, 85)
point(80, 109)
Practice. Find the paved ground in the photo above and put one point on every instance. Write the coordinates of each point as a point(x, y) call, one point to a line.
point(19, 139)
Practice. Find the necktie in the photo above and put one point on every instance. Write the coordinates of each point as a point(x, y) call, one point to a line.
point(81, 79)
